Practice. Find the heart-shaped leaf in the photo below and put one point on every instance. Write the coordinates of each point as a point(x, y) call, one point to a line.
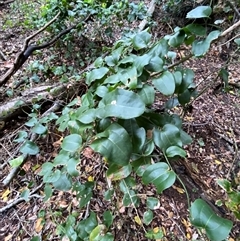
point(203, 216)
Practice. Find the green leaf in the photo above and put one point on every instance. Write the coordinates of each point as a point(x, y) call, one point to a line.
point(141, 61)
point(122, 104)
point(39, 129)
point(108, 218)
point(202, 216)
point(88, 116)
point(165, 83)
point(108, 194)
point(160, 175)
point(72, 167)
point(97, 233)
point(168, 136)
point(16, 162)
point(115, 146)
point(175, 151)
point(237, 41)
point(35, 238)
point(29, 148)
point(160, 49)
point(200, 12)
point(141, 40)
point(155, 64)
point(25, 195)
point(148, 217)
point(72, 142)
point(115, 172)
point(177, 39)
point(196, 29)
point(96, 74)
point(48, 192)
point(138, 139)
point(153, 203)
point(147, 94)
point(129, 198)
point(64, 183)
point(22, 135)
point(200, 48)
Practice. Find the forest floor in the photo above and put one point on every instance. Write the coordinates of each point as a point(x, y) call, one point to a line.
point(213, 121)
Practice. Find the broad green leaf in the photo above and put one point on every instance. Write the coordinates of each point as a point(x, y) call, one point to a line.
point(108, 218)
point(16, 162)
point(168, 136)
point(200, 12)
point(130, 197)
point(186, 139)
point(160, 175)
point(115, 172)
point(64, 183)
point(177, 39)
point(46, 168)
point(116, 146)
point(141, 40)
point(97, 232)
point(29, 148)
point(202, 216)
point(52, 176)
point(113, 59)
point(155, 64)
point(101, 91)
point(175, 151)
point(72, 142)
point(39, 129)
point(72, 167)
point(196, 29)
point(186, 82)
point(148, 148)
point(85, 227)
point(88, 116)
point(62, 158)
point(22, 135)
point(96, 74)
point(153, 203)
point(160, 49)
point(122, 104)
point(140, 62)
point(147, 94)
point(165, 83)
point(148, 217)
point(33, 121)
point(184, 97)
point(200, 48)
point(138, 139)
point(128, 77)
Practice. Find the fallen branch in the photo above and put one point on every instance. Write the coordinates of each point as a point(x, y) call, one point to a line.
point(23, 55)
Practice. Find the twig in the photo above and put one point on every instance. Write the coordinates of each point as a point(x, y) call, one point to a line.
point(21, 199)
point(2, 55)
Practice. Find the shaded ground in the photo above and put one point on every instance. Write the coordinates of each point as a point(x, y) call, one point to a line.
point(213, 122)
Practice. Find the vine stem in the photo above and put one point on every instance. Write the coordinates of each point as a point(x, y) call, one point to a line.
point(180, 180)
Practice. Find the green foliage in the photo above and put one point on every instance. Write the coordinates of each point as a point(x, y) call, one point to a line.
point(233, 197)
point(116, 119)
point(202, 216)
